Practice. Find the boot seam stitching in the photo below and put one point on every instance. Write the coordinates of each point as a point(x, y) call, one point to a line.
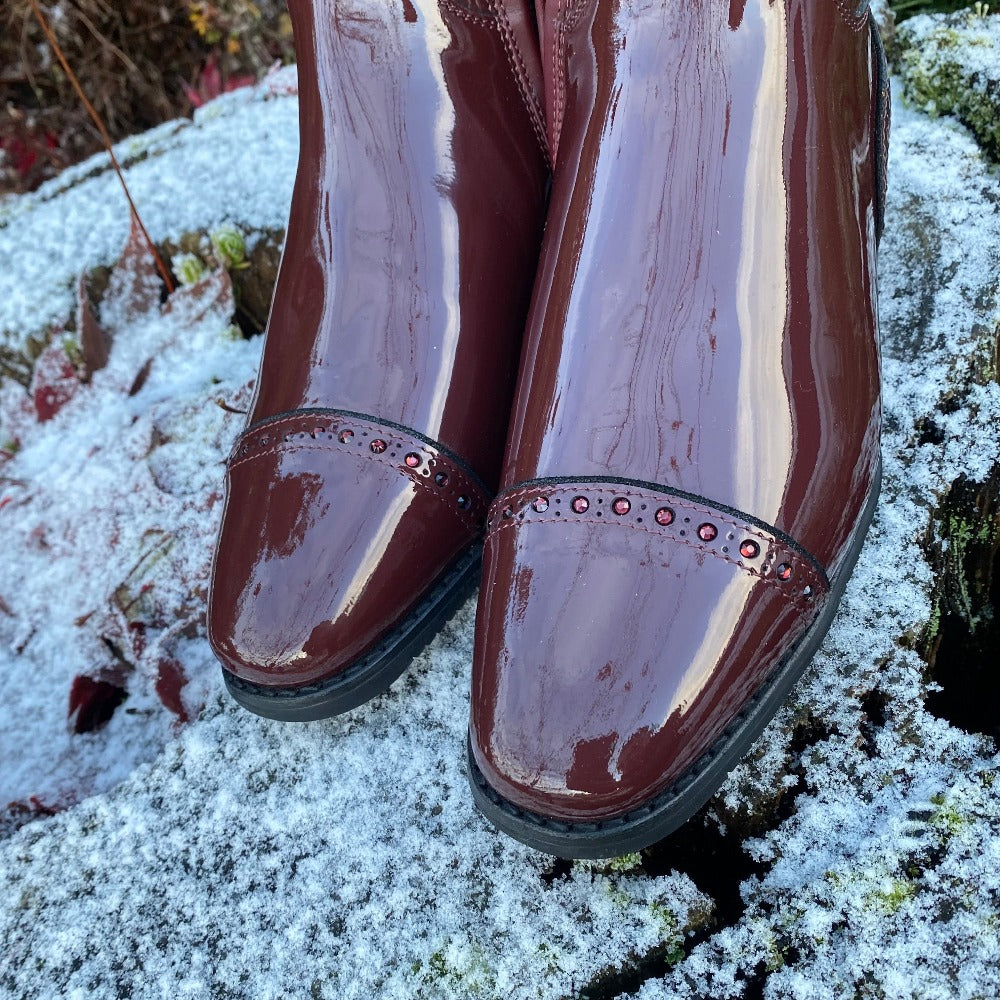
point(559, 75)
point(854, 20)
point(479, 17)
point(528, 96)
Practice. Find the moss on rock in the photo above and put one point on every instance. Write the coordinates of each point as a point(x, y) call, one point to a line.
point(950, 64)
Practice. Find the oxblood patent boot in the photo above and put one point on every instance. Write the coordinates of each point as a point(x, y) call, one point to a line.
point(357, 494)
point(693, 460)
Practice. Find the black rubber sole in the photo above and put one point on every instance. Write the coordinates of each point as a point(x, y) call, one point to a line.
point(376, 670)
point(663, 814)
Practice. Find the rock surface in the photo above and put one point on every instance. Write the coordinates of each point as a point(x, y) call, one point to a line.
point(166, 843)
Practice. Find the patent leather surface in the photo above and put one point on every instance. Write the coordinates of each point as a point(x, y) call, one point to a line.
point(415, 223)
point(704, 322)
point(398, 313)
point(315, 589)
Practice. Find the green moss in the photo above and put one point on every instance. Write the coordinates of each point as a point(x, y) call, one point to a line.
point(460, 971)
point(939, 78)
point(946, 816)
point(891, 898)
point(774, 959)
point(550, 958)
point(666, 922)
point(933, 623)
point(961, 533)
point(626, 863)
point(618, 896)
point(73, 352)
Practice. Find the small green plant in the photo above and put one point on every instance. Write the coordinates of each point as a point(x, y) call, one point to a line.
point(188, 267)
point(230, 248)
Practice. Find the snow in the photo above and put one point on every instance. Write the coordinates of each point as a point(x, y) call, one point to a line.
point(232, 856)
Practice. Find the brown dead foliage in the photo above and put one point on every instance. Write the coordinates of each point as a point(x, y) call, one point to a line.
point(140, 63)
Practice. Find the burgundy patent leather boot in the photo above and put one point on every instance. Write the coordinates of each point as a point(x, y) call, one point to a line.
point(693, 460)
point(357, 494)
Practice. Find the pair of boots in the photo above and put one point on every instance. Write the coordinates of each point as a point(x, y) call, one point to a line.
point(673, 454)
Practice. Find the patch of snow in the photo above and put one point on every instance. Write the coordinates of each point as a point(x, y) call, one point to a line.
point(234, 163)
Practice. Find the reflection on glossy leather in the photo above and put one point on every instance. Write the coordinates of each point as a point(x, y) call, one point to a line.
point(404, 232)
point(612, 647)
point(381, 291)
point(408, 264)
point(708, 163)
point(763, 292)
point(725, 619)
point(703, 320)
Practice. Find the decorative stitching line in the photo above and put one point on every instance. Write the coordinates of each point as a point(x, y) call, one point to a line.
point(468, 11)
point(458, 483)
point(657, 489)
point(369, 420)
point(497, 18)
point(536, 113)
point(794, 597)
point(773, 551)
point(559, 76)
point(362, 458)
point(469, 521)
point(882, 122)
point(855, 20)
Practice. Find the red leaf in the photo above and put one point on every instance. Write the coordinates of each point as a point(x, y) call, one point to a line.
point(134, 287)
point(18, 153)
point(95, 342)
point(53, 382)
point(240, 80)
point(210, 82)
point(140, 379)
point(92, 702)
point(214, 291)
point(17, 814)
point(170, 681)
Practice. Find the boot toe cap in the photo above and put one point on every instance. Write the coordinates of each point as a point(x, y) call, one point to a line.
point(613, 652)
point(328, 541)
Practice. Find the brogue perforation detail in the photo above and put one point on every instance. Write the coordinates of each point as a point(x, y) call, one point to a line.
point(679, 519)
point(425, 464)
